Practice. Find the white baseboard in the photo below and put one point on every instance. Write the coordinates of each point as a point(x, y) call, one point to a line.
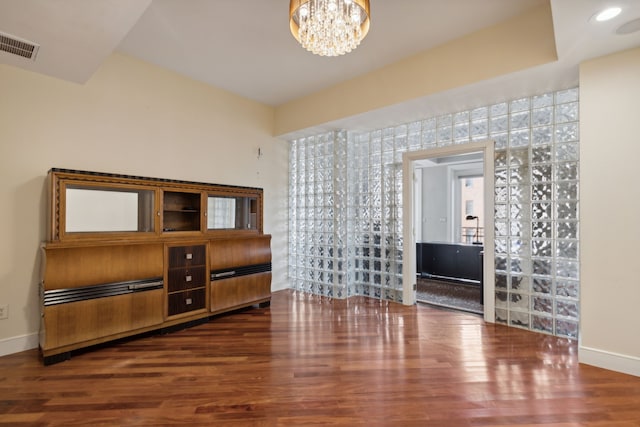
point(18, 344)
point(608, 360)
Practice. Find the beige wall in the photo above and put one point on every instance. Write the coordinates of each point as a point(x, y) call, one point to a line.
point(131, 118)
point(520, 43)
point(609, 206)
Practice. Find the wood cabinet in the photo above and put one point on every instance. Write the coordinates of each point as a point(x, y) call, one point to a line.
point(127, 255)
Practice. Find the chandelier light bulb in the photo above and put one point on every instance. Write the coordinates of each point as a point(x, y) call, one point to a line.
point(355, 15)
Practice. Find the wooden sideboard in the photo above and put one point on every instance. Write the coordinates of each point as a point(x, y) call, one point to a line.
point(166, 254)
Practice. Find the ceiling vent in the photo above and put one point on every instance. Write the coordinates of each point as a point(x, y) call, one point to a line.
point(17, 46)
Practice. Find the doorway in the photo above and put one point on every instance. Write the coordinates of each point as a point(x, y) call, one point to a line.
point(451, 229)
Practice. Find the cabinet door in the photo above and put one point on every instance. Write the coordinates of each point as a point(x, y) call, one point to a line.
point(147, 308)
point(439, 259)
point(72, 323)
point(469, 263)
point(77, 322)
point(240, 291)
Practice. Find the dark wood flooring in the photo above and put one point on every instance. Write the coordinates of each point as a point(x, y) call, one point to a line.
point(307, 360)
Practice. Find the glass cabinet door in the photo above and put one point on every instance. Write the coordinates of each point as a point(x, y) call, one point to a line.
point(95, 209)
point(232, 213)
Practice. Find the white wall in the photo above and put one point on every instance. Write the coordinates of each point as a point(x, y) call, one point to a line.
point(131, 118)
point(609, 207)
point(436, 204)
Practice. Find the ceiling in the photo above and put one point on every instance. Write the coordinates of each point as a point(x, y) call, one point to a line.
point(246, 48)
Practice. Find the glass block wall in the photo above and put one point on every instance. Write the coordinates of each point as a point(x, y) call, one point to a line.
point(375, 212)
point(318, 240)
point(345, 216)
point(346, 207)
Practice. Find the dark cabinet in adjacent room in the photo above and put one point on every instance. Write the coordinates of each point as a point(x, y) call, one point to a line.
point(450, 261)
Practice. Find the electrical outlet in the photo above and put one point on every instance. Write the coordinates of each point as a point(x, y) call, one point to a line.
point(4, 311)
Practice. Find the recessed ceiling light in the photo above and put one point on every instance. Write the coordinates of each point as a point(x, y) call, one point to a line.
point(608, 14)
point(630, 27)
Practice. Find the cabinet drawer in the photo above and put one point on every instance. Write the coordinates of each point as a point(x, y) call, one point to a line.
point(182, 302)
point(180, 279)
point(184, 256)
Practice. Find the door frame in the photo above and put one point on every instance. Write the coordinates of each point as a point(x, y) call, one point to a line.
point(408, 217)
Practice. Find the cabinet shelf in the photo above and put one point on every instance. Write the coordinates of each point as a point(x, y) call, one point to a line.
point(180, 212)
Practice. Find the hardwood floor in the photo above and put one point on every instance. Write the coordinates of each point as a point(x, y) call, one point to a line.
point(307, 360)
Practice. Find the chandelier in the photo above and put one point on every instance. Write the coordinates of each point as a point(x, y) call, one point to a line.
point(329, 27)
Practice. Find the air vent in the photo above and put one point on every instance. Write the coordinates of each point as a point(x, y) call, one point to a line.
point(17, 46)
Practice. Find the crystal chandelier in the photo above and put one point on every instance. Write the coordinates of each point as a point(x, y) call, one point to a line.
point(329, 27)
